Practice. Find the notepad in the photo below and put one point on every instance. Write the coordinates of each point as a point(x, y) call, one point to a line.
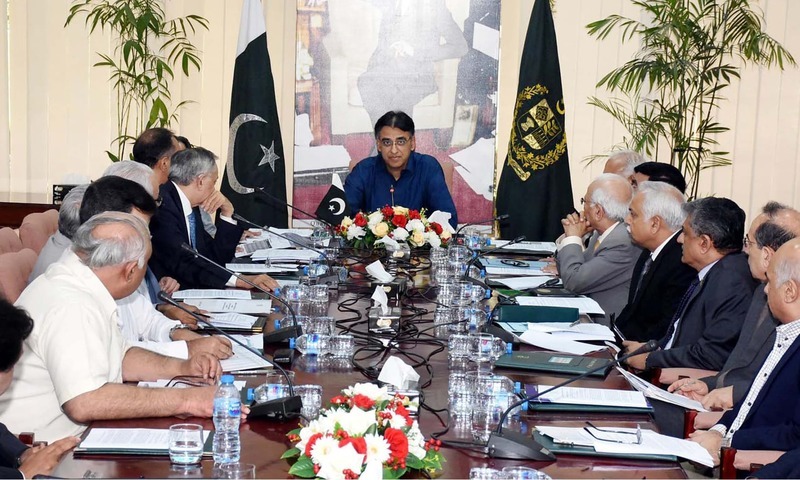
point(130, 441)
point(212, 293)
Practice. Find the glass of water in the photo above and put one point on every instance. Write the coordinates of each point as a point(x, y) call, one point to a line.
point(235, 470)
point(185, 444)
point(311, 396)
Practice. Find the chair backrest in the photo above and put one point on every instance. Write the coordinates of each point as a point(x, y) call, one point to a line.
point(9, 241)
point(15, 267)
point(36, 228)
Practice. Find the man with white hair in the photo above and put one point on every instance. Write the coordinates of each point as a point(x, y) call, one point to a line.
point(193, 177)
point(135, 172)
point(601, 271)
point(622, 163)
point(75, 360)
point(659, 280)
point(68, 222)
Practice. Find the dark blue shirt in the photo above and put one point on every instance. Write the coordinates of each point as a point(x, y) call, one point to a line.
point(421, 185)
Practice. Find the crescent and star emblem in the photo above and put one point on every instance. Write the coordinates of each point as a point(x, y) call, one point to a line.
point(269, 153)
point(340, 203)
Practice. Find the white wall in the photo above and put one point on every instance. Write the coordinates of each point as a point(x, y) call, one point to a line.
point(57, 113)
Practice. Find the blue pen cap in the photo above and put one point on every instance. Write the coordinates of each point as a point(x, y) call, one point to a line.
point(517, 387)
point(277, 323)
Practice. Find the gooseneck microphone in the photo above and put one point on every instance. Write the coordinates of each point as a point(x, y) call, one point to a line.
point(498, 218)
point(513, 445)
point(272, 197)
point(279, 408)
point(276, 336)
point(483, 253)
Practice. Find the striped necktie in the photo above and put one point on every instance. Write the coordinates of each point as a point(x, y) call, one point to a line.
point(679, 312)
point(193, 228)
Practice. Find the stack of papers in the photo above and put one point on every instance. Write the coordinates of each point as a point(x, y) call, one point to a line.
point(652, 443)
point(284, 255)
point(585, 305)
point(589, 396)
point(651, 391)
point(496, 266)
point(238, 306)
point(211, 293)
point(243, 359)
point(136, 441)
point(556, 343)
point(257, 268)
point(521, 283)
point(586, 332)
point(232, 320)
point(534, 247)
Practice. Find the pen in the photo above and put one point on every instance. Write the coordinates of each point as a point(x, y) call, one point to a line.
point(251, 373)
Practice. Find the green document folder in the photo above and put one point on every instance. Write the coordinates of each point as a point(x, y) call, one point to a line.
point(555, 363)
point(534, 314)
point(560, 448)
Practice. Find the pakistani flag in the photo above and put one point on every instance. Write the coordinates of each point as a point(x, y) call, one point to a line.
point(534, 187)
point(255, 150)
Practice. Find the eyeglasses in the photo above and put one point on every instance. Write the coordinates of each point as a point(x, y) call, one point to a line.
point(400, 142)
point(748, 242)
point(615, 436)
point(514, 263)
point(585, 202)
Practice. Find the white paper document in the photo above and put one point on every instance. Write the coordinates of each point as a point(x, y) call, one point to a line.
point(652, 443)
point(557, 344)
point(211, 293)
point(232, 320)
point(584, 304)
point(496, 266)
point(259, 268)
point(238, 306)
point(651, 391)
point(163, 383)
point(284, 255)
point(529, 246)
point(129, 439)
point(592, 396)
point(243, 359)
point(580, 332)
point(521, 283)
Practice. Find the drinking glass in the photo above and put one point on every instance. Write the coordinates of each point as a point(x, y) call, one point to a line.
point(524, 473)
point(342, 346)
point(275, 386)
point(235, 470)
point(312, 399)
point(185, 443)
point(321, 325)
point(485, 473)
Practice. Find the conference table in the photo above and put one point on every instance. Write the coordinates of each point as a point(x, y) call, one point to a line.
point(264, 441)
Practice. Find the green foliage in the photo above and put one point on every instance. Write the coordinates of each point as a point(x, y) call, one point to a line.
point(292, 452)
point(391, 473)
point(673, 86)
point(147, 49)
point(303, 468)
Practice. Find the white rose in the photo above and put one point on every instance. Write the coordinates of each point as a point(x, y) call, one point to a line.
point(354, 231)
point(400, 234)
point(381, 229)
point(346, 222)
point(433, 239)
point(400, 210)
point(417, 238)
point(374, 218)
point(369, 390)
point(415, 226)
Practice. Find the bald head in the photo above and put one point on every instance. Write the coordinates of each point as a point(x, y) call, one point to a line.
point(776, 225)
point(783, 282)
point(607, 200)
point(622, 163)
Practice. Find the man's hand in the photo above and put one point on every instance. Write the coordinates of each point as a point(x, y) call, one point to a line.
point(711, 440)
point(199, 402)
point(43, 459)
point(169, 285)
point(217, 201)
point(719, 399)
point(690, 388)
point(202, 365)
point(575, 225)
point(264, 281)
point(249, 234)
point(639, 362)
point(219, 347)
point(176, 313)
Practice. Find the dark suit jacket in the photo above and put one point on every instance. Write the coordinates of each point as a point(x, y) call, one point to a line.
point(168, 228)
point(10, 449)
point(788, 466)
point(773, 422)
point(755, 343)
point(647, 315)
point(603, 274)
point(712, 319)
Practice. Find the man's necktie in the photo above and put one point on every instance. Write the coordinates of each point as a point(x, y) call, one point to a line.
point(679, 312)
point(645, 268)
point(193, 228)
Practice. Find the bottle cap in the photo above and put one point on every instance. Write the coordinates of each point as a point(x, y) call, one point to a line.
point(227, 379)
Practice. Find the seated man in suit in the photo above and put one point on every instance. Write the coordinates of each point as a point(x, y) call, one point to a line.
point(659, 278)
point(68, 222)
point(768, 417)
point(192, 185)
point(398, 175)
point(776, 225)
point(17, 460)
point(658, 172)
point(707, 322)
point(155, 148)
point(75, 360)
point(602, 271)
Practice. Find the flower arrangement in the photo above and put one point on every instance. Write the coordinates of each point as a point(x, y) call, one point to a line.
point(397, 223)
point(365, 431)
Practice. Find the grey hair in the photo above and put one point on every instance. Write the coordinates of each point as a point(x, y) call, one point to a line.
point(774, 232)
point(631, 158)
point(616, 207)
point(787, 269)
point(663, 200)
point(112, 250)
point(69, 218)
point(133, 171)
point(191, 163)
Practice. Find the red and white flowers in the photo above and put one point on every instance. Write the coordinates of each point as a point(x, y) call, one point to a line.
point(397, 223)
point(365, 431)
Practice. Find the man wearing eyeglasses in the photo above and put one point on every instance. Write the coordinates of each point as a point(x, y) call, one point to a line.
point(398, 175)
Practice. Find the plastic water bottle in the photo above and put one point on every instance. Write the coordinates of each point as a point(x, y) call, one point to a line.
point(227, 415)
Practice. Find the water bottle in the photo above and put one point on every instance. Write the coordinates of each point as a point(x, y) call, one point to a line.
point(227, 415)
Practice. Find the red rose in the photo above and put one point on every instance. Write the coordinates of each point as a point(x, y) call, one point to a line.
point(400, 221)
point(357, 442)
point(310, 444)
point(414, 215)
point(339, 400)
point(360, 220)
point(403, 412)
point(398, 443)
point(363, 402)
point(387, 211)
point(436, 228)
